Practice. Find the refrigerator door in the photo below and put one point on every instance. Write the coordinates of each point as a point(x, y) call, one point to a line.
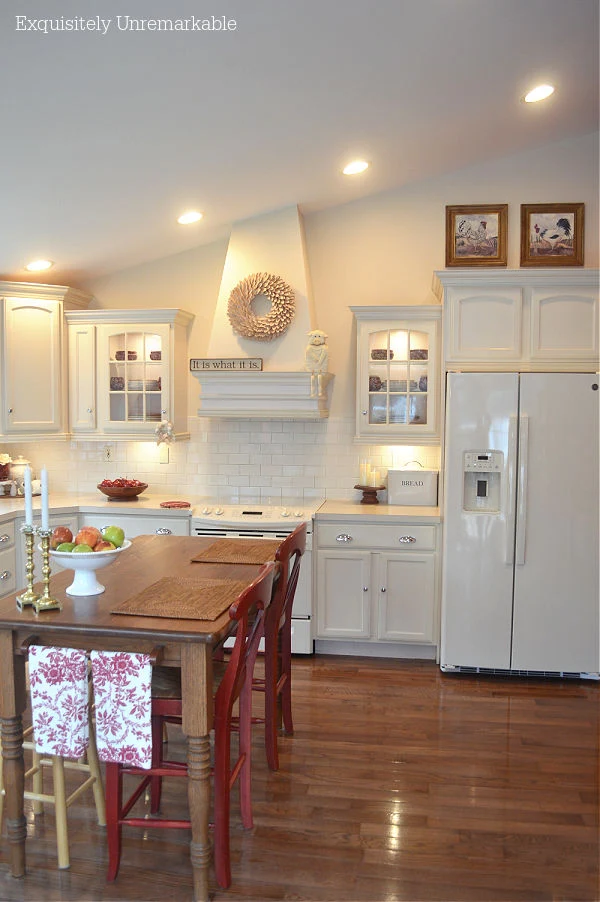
point(555, 626)
point(477, 579)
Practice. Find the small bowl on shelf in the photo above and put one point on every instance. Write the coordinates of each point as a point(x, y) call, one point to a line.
point(84, 565)
point(122, 492)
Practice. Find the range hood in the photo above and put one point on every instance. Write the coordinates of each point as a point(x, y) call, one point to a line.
point(274, 244)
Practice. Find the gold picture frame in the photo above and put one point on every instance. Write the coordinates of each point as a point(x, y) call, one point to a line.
point(552, 234)
point(476, 235)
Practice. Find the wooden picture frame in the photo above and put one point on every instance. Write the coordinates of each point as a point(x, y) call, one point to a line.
point(476, 235)
point(552, 234)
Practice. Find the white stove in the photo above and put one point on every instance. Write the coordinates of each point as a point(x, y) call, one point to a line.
point(258, 521)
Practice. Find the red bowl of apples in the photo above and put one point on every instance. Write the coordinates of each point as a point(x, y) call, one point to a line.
point(122, 489)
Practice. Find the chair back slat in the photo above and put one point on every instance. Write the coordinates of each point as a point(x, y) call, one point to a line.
point(289, 556)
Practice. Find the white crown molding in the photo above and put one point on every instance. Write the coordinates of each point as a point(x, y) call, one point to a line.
point(71, 297)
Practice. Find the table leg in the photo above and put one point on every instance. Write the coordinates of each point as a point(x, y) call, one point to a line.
point(12, 705)
point(197, 715)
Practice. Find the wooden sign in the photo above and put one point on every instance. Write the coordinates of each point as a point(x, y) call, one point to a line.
point(225, 364)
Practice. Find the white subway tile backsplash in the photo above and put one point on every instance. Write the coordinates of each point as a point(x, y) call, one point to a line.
point(250, 459)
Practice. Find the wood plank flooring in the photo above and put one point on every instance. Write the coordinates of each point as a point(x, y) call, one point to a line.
point(401, 784)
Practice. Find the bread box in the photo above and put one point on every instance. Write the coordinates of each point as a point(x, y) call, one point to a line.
point(413, 487)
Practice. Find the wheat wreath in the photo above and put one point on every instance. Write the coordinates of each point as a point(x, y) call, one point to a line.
point(262, 328)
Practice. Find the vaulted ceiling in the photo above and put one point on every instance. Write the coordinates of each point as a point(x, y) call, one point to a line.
point(107, 137)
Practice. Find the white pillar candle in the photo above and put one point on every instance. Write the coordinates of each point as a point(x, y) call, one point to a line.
point(28, 496)
point(364, 472)
point(45, 508)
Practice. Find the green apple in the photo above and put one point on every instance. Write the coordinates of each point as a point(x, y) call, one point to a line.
point(66, 546)
point(82, 549)
point(113, 534)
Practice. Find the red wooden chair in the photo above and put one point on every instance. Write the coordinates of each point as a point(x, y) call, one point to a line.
point(277, 682)
point(236, 683)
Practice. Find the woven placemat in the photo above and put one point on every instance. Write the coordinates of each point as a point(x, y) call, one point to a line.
point(183, 599)
point(238, 551)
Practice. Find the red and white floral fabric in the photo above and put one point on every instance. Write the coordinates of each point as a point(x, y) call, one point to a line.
point(122, 692)
point(59, 700)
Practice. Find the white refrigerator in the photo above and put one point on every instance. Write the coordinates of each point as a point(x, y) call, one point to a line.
point(520, 583)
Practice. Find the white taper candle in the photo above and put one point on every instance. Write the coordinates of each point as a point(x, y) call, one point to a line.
point(28, 497)
point(45, 507)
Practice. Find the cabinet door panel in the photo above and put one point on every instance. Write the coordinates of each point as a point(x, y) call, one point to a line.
point(32, 366)
point(407, 606)
point(82, 377)
point(343, 605)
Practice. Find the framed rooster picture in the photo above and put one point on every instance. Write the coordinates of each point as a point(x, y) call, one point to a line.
point(476, 235)
point(552, 234)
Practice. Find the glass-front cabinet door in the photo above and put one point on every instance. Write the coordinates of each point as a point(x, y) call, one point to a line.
point(397, 374)
point(133, 366)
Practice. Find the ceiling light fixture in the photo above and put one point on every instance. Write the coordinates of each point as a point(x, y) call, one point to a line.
point(538, 93)
point(355, 167)
point(189, 217)
point(39, 265)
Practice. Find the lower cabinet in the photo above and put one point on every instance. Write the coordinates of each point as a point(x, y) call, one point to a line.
point(370, 592)
point(8, 559)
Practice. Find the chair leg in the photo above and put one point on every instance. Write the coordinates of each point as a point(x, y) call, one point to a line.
point(271, 667)
point(97, 787)
point(221, 803)
point(245, 750)
point(114, 793)
point(286, 672)
point(60, 811)
point(158, 734)
point(37, 780)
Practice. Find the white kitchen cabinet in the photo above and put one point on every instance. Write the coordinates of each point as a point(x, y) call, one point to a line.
point(128, 370)
point(139, 524)
point(398, 375)
point(519, 320)
point(33, 366)
point(8, 558)
point(377, 582)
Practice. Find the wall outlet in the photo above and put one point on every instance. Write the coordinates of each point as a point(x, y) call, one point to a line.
point(107, 454)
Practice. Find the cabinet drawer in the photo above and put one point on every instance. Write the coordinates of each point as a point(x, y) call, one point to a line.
point(139, 525)
point(8, 577)
point(7, 535)
point(352, 535)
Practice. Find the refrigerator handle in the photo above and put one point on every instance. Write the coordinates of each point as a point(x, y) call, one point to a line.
point(522, 488)
point(511, 490)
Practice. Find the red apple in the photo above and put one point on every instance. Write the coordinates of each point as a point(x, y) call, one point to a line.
point(61, 534)
point(88, 535)
point(103, 545)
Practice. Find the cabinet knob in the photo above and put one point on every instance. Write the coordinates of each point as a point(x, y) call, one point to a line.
point(6, 574)
point(4, 538)
point(365, 588)
point(89, 409)
point(163, 531)
point(10, 410)
point(383, 589)
point(164, 412)
point(406, 540)
point(364, 413)
point(343, 537)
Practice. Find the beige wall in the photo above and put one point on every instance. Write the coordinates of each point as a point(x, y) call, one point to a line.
point(381, 249)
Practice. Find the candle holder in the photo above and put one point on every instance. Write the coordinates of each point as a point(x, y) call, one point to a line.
point(45, 602)
point(369, 493)
point(28, 597)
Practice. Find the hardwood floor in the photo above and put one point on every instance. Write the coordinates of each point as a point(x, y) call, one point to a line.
point(400, 783)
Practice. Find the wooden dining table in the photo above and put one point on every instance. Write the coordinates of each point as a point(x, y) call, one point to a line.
point(87, 622)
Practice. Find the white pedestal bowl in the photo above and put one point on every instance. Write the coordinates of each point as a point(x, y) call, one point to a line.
point(85, 565)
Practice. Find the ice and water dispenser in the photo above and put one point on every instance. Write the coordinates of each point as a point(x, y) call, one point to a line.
point(482, 471)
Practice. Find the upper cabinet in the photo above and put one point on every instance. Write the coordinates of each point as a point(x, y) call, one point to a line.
point(128, 370)
point(33, 374)
point(520, 319)
point(397, 375)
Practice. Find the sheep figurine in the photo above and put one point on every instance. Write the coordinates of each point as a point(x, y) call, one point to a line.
point(316, 360)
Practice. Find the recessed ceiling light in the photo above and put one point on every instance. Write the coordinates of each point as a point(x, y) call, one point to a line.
point(189, 217)
point(39, 265)
point(355, 167)
point(539, 93)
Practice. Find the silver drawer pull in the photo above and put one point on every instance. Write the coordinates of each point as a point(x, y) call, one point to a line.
point(6, 574)
point(163, 531)
point(407, 540)
point(365, 588)
point(4, 538)
point(343, 537)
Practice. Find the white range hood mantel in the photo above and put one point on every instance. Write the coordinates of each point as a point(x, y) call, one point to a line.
point(272, 243)
point(263, 394)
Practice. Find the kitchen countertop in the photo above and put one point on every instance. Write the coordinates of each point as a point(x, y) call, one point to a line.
point(377, 513)
point(94, 502)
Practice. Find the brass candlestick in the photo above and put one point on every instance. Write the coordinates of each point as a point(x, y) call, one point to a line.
point(28, 597)
point(45, 602)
